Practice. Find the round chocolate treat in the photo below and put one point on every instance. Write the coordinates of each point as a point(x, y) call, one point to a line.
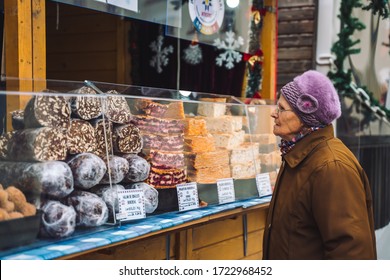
point(88, 170)
point(109, 194)
point(138, 168)
point(118, 168)
point(58, 220)
point(91, 209)
point(150, 193)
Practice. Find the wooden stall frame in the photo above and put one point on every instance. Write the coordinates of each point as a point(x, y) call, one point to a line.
point(25, 50)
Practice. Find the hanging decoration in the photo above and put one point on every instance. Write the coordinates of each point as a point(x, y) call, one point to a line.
point(254, 57)
point(230, 46)
point(161, 58)
point(346, 46)
point(207, 15)
point(193, 53)
point(378, 6)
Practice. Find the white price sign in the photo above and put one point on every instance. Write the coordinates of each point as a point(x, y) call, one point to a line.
point(187, 196)
point(263, 183)
point(131, 204)
point(226, 190)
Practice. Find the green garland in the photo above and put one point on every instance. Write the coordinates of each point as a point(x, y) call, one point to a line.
point(379, 6)
point(255, 56)
point(345, 47)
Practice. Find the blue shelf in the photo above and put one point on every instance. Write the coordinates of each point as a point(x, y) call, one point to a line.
point(103, 236)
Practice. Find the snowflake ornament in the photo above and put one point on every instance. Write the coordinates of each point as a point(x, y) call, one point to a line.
point(161, 58)
point(193, 54)
point(230, 45)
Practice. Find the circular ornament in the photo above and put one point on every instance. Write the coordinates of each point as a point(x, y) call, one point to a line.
point(307, 104)
point(207, 15)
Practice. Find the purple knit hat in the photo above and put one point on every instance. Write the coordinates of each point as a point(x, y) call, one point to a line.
point(313, 97)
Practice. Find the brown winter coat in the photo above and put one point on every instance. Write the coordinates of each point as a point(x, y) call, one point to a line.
point(322, 206)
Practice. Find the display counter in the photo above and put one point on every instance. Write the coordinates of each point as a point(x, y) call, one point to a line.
point(164, 236)
point(89, 158)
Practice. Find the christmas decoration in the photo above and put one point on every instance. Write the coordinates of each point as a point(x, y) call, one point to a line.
point(379, 6)
point(161, 57)
point(193, 53)
point(255, 56)
point(345, 47)
point(229, 45)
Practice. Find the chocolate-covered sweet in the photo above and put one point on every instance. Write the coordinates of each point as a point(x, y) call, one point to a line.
point(80, 137)
point(17, 119)
point(103, 133)
point(91, 210)
point(86, 107)
point(52, 179)
point(87, 169)
point(58, 220)
point(50, 111)
point(127, 139)
point(109, 194)
point(117, 169)
point(138, 168)
point(4, 139)
point(150, 194)
point(117, 110)
point(37, 144)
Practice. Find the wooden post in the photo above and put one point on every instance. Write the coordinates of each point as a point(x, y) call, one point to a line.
point(269, 46)
point(25, 50)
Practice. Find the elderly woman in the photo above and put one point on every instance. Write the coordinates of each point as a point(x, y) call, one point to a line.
point(321, 207)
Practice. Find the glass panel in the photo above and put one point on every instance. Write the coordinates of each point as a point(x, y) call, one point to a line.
point(157, 11)
point(219, 23)
point(54, 161)
point(76, 146)
point(209, 22)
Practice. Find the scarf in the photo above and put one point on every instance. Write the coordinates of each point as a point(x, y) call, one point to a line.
point(286, 146)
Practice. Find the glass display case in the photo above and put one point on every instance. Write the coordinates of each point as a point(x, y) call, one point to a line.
point(87, 156)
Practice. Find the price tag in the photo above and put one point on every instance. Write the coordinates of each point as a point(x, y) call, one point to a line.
point(187, 195)
point(226, 190)
point(263, 183)
point(131, 204)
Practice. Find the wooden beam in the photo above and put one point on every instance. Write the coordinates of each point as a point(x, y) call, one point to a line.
point(25, 51)
point(269, 43)
point(38, 12)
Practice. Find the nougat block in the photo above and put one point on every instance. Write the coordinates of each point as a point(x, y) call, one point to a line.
point(212, 107)
point(224, 124)
point(229, 141)
point(244, 153)
point(199, 144)
point(194, 126)
point(207, 159)
point(209, 175)
point(245, 170)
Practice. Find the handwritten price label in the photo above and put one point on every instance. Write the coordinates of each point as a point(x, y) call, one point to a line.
point(131, 205)
point(226, 190)
point(263, 183)
point(187, 196)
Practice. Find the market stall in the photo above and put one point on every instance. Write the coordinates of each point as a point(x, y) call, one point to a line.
point(189, 164)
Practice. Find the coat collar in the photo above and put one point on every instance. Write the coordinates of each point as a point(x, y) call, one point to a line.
point(307, 144)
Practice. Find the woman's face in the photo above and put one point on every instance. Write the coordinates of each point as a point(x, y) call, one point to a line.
point(287, 123)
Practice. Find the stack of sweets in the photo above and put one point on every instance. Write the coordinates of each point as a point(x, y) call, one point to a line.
point(205, 163)
point(269, 153)
point(162, 128)
point(228, 134)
